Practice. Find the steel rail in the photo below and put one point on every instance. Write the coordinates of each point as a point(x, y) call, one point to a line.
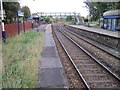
point(75, 34)
point(109, 71)
point(77, 70)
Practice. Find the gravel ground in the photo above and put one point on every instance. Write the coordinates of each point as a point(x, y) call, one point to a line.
point(74, 80)
point(111, 62)
point(78, 55)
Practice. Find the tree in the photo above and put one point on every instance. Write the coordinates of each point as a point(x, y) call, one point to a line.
point(56, 18)
point(47, 20)
point(96, 9)
point(49, 16)
point(11, 9)
point(26, 11)
point(69, 18)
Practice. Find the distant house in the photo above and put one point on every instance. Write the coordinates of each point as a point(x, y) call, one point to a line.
point(51, 19)
point(111, 20)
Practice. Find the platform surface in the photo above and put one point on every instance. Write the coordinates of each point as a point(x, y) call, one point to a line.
point(52, 73)
point(98, 30)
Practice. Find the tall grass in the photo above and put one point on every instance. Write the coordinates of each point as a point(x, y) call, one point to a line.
point(0, 64)
point(21, 57)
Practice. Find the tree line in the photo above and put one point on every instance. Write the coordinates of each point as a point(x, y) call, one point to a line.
point(11, 9)
point(96, 9)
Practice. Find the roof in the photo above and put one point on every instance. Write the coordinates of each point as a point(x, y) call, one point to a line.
point(35, 16)
point(111, 13)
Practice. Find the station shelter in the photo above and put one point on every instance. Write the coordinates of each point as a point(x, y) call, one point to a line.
point(110, 20)
point(36, 20)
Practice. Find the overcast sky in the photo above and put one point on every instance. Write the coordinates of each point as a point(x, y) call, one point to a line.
point(56, 6)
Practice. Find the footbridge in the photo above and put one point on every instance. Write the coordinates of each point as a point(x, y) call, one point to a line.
point(76, 16)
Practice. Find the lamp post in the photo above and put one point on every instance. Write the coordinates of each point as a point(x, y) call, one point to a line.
point(32, 21)
point(3, 26)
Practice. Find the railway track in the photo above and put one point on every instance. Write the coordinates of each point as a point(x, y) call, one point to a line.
point(110, 61)
point(74, 81)
point(89, 69)
point(105, 48)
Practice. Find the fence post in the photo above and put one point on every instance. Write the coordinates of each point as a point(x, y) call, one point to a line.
point(32, 25)
point(23, 25)
point(3, 36)
point(3, 26)
point(18, 26)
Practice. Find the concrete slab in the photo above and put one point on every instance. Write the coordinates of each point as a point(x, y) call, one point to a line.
point(48, 28)
point(51, 71)
point(53, 77)
point(98, 30)
point(49, 40)
point(42, 27)
point(49, 52)
point(50, 63)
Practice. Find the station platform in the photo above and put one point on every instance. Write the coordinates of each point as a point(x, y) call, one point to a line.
point(52, 74)
point(98, 30)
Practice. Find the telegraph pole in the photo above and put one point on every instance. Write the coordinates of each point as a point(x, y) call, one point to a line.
point(3, 26)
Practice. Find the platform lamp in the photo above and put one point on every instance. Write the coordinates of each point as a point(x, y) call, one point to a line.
point(32, 21)
point(3, 26)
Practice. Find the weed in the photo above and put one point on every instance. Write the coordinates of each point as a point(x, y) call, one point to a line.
point(21, 57)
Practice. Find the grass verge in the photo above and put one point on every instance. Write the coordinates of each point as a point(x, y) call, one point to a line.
point(96, 26)
point(0, 64)
point(21, 57)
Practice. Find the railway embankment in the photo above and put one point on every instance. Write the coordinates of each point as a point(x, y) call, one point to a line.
point(108, 38)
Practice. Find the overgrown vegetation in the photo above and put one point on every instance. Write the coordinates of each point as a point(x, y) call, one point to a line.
point(11, 9)
point(26, 11)
point(96, 9)
point(21, 57)
point(69, 23)
point(47, 20)
point(96, 26)
point(0, 64)
point(69, 18)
